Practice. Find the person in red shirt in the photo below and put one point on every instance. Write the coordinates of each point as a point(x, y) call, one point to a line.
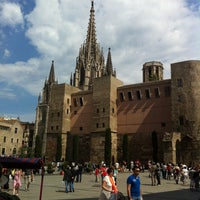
point(96, 172)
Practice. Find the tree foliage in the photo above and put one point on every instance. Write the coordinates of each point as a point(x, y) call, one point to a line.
point(59, 148)
point(75, 148)
point(23, 151)
point(38, 147)
point(108, 147)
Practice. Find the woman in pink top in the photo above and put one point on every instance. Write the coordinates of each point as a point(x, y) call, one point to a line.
point(17, 182)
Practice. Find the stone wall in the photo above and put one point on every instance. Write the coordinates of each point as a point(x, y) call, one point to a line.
point(139, 116)
point(12, 137)
point(185, 110)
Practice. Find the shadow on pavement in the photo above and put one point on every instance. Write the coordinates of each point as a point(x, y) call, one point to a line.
point(80, 199)
point(184, 194)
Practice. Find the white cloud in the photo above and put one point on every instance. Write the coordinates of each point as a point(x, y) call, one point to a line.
point(137, 32)
point(54, 32)
point(6, 93)
point(24, 74)
point(10, 14)
point(6, 53)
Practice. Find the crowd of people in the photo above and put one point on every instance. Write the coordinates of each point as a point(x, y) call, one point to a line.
point(15, 178)
point(180, 173)
point(107, 177)
point(158, 172)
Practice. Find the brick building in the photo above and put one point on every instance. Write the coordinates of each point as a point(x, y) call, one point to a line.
point(159, 117)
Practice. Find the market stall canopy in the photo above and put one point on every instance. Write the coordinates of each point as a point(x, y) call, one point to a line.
point(21, 163)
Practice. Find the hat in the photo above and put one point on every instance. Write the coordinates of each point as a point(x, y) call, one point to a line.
point(3, 180)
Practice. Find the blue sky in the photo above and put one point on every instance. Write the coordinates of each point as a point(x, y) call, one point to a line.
point(35, 32)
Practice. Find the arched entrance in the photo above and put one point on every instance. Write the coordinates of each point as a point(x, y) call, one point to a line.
point(171, 147)
point(186, 150)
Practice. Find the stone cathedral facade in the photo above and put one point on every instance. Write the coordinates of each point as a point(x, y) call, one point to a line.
point(159, 117)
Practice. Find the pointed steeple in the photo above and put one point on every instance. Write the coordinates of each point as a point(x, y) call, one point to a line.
point(90, 61)
point(51, 74)
point(109, 66)
point(71, 80)
point(48, 85)
point(91, 34)
point(39, 98)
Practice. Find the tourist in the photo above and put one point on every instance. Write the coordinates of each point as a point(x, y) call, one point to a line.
point(157, 173)
point(27, 178)
point(184, 174)
point(79, 173)
point(17, 182)
point(67, 178)
point(96, 172)
point(169, 170)
point(115, 173)
point(109, 188)
point(152, 172)
point(133, 185)
point(176, 173)
point(163, 168)
point(74, 174)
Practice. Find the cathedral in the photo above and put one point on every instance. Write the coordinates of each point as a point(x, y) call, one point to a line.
point(156, 119)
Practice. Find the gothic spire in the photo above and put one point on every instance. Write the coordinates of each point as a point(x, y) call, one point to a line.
point(91, 33)
point(90, 61)
point(51, 74)
point(71, 80)
point(39, 98)
point(109, 66)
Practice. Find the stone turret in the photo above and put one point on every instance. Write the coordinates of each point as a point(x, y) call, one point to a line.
point(185, 95)
point(152, 71)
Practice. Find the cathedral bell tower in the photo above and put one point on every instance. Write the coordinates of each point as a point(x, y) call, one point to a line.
point(152, 71)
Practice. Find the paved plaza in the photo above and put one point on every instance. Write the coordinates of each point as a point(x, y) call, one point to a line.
point(88, 189)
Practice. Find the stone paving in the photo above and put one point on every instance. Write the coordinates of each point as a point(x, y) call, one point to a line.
point(88, 189)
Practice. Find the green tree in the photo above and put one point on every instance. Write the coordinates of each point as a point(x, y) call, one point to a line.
point(23, 151)
point(59, 148)
point(108, 147)
point(38, 147)
point(75, 148)
point(30, 152)
point(26, 152)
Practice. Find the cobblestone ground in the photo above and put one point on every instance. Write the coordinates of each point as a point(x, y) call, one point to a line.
point(88, 189)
